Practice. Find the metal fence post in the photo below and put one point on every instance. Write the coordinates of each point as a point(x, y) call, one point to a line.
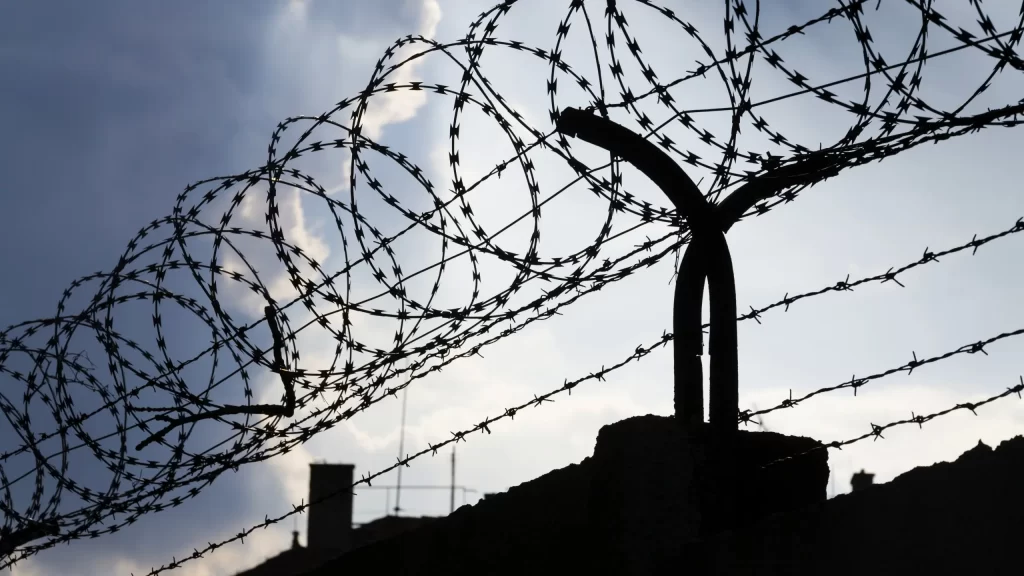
point(706, 259)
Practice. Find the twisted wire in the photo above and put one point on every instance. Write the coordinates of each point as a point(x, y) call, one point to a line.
point(153, 402)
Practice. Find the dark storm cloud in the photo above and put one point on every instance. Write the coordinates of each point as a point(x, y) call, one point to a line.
point(108, 110)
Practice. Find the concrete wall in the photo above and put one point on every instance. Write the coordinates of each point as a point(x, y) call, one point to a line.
point(629, 509)
point(635, 507)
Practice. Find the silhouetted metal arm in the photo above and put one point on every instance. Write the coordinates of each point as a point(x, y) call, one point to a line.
point(812, 168)
point(706, 259)
point(287, 378)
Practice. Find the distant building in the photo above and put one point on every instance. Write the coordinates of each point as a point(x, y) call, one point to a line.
point(861, 480)
point(329, 531)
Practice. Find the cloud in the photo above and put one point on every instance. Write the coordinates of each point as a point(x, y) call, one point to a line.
point(860, 224)
point(401, 106)
point(270, 84)
point(394, 107)
point(285, 477)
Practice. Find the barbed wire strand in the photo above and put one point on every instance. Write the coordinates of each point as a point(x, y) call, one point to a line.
point(746, 416)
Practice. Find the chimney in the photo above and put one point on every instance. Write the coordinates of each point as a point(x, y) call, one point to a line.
point(861, 480)
point(329, 525)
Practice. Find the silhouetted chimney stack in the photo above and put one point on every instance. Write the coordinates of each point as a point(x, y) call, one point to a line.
point(329, 526)
point(861, 480)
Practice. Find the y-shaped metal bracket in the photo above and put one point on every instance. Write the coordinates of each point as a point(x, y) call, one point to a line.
point(706, 259)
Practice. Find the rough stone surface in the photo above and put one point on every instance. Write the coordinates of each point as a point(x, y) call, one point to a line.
point(629, 509)
point(647, 503)
point(634, 508)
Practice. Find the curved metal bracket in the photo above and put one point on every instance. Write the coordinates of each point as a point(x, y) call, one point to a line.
point(706, 259)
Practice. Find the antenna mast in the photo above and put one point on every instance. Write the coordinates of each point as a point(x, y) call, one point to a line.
point(401, 449)
point(452, 505)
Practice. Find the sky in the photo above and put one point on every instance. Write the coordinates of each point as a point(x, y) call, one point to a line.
point(118, 105)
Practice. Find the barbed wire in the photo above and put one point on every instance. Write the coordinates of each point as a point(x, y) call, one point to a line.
point(920, 420)
point(842, 286)
point(640, 352)
point(145, 389)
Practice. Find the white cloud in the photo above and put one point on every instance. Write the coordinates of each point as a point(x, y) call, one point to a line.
point(401, 106)
point(393, 107)
point(291, 470)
